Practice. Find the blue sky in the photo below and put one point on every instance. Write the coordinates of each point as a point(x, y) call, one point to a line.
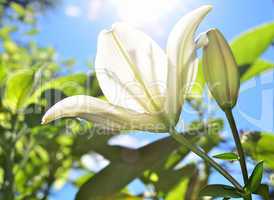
point(73, 32)
point(73, 26)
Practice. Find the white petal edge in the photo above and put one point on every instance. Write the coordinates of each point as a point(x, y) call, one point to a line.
point(182, 66)
point(131, 68)
point(103, 114)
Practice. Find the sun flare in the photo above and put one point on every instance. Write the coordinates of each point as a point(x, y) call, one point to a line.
point(142, 12)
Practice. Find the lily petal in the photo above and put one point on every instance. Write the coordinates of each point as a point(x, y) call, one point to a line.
point(131, 69)
point(103, 114)
point(182, 66)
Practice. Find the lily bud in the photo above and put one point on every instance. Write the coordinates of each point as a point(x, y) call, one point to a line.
point(220, 70)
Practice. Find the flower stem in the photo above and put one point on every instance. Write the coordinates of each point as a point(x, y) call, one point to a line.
point(181, 139)
point(237, 140)
point(239, 147)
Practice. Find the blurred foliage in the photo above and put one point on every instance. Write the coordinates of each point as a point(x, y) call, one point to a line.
point(259, 145)
point(35, 159)
point(25, 7)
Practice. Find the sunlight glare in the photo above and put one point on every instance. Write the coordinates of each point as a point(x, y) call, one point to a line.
point(142, 12)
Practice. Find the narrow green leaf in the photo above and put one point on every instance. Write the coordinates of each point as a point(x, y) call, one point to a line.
point(249, 46)
point(82, 179)
point(123, 171)
point(258, 67)
point(263, 191)
point(217, 190)
point(178, 191)
point(227, 156)
point(170, 180)
point(256, 177)
point(32, 32)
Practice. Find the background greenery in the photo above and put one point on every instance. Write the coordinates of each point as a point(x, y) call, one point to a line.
point(34, 158)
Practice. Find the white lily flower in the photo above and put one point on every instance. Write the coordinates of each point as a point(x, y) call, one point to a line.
point(145, 87)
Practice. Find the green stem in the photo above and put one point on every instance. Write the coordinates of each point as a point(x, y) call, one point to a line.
point(239, 147)
point(237, 140)
point(181, 139)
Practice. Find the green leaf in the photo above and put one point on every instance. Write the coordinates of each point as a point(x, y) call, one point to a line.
point(6, 31)
point(196, 183)
point(10, 46)
point(263, 191)
point(255, 69)
point(178, 191)
point(122, 171)
point(227, 156)
point(32, 32)
point(18, 88)
point(249, 46)
point(170, 180)
point(259, 146)
point(82, 179)
point(126, 169)
point(69, 85)
point(69, 62)
point(18, 9)
point(217, 190)
point(256, 177)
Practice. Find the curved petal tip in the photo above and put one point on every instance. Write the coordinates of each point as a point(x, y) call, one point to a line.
point(68, 107)
point(206, 8)
point(47, 117)
point(44, 121)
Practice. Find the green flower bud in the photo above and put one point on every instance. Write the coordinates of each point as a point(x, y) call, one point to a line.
point(220, 69)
